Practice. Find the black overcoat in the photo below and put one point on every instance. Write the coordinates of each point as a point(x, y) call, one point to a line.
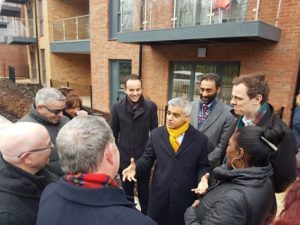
point(131, 134)
point(175, 174)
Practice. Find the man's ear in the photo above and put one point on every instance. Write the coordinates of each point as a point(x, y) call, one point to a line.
point(258, 98)
point(26, 158)
point(38, 107)
point(108, 153)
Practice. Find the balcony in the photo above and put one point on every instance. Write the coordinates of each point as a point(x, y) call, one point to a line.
point(71, 35)
point(3, 22)
point(19, 32)
point(17, 1)
point(9, 9)
point(180, 21)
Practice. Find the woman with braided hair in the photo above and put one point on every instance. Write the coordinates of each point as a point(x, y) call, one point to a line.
point(244, 193)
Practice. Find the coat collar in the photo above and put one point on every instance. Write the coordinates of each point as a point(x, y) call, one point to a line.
point(107, 196)
point(187, 140)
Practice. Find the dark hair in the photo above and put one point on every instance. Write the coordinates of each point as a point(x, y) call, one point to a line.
point(256, 149)
point(73, 101)
point(212, 76)
point(256, 84)
point(290, 214)
point(65, 90)
point(133, 77)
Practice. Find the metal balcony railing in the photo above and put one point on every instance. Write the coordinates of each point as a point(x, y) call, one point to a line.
point(71, 29)
point(19, 28)
point(165, 14)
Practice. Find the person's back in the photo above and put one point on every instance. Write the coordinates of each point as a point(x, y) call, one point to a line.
point(88, 193)
point(68, 205)
point(244, 193)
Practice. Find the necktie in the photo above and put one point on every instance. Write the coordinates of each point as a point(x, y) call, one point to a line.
point(205, 108)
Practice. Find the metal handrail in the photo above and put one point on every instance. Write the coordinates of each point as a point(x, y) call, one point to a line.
point(148, 14)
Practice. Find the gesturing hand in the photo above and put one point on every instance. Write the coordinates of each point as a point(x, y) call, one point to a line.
point(129, 172)
point(202, 186)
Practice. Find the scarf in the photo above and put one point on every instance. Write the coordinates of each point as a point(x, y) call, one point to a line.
point(134, 108)
point(203, 114)
point(90, 180)
point(175, 133)
point(259, 114)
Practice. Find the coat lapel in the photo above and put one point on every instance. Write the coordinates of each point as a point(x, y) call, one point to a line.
point(187, 140)
point(213, 116)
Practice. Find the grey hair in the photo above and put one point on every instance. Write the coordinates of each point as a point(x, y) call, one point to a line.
point(81, 143)
point(183, 103)
point(47, 94)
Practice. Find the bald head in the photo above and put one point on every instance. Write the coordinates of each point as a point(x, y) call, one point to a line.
point(19, 138)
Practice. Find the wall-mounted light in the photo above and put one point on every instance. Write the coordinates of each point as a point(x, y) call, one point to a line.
point(201, 52)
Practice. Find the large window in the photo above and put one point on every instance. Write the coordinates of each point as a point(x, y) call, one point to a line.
point(41, 17)
point(185, 78)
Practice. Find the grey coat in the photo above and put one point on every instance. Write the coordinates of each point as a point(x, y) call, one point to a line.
point(216, 128)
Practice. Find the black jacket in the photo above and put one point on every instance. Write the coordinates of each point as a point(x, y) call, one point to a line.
point(242, 197)
point(66, 204)
point(53, 129)
point(131, 134)
point(175, 174)
point(20, 194)
point(284, 160)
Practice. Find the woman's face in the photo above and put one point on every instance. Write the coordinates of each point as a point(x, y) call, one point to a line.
point(73, 111)
point(232, 150)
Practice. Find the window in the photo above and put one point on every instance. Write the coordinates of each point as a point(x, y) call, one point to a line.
point(43, 62)
point(41, 17)
point(119, 71)
point(185, 78)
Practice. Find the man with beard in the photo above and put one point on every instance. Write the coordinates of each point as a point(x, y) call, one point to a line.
point(131, 121)
point(179, 152)
point(212, 117)
point(47, 111)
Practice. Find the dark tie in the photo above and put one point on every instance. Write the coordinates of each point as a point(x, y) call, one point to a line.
point(205, 108)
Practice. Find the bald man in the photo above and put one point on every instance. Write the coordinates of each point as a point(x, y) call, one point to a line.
point(25, 149)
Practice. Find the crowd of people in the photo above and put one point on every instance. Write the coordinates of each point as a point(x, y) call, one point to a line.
point(209, 164)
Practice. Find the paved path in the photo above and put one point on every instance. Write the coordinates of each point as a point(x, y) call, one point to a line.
point(4, 122)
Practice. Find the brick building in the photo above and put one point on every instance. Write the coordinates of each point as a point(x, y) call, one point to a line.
point(93, 44)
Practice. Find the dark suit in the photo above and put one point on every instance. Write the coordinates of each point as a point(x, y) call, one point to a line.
point(175, 174)
point(216, 127)
point(131, 136)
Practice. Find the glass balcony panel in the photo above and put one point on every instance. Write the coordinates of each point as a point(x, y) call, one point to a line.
point(71, 29)
point(136, 15)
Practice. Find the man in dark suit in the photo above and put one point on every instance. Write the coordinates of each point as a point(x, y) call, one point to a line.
point(212, 117)
point(250, 101)
point(132, 120)
point(180, 152)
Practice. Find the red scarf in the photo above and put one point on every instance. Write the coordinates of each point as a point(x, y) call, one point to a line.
point(90, 180)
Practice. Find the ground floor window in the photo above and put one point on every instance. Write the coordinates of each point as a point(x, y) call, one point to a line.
point(185, 77)
point(119, 71)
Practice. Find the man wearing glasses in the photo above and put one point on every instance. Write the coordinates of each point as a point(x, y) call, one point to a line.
point(48, 111)
point(25, 149)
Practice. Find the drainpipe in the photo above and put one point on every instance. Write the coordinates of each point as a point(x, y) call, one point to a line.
point(277, 15)
point(257, 9)
point(37, 42)
point(140, 60)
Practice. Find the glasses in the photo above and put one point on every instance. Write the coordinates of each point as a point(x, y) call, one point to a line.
point(55, 111)
point(37, 150)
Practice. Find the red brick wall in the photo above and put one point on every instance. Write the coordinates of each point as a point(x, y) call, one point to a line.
point(103, 50)
point(280, 61)
point(16, 56)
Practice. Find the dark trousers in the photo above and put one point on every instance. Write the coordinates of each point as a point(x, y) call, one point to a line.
point(142, 189)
